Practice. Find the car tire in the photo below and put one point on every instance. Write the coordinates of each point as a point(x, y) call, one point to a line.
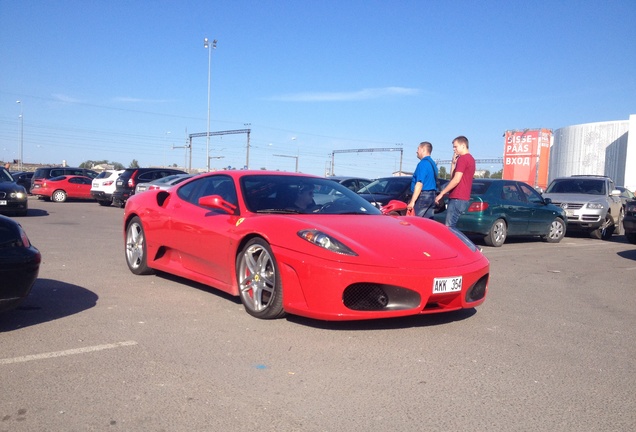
point(58, 196)
point(605, 231)
point(104, 203)
point(557, 231)
point(497, 234)
point(136, 252)
point(259, 281)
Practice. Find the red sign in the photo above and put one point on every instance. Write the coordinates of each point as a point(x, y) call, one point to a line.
point(527, 156)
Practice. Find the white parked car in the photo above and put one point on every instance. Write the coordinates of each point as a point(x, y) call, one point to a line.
point(162, 183)
point(103, 186)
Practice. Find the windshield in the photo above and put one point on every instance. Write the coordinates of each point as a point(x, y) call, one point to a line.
point(5, 176)
point(298, 194)
point(387, 186)
point(577, 186)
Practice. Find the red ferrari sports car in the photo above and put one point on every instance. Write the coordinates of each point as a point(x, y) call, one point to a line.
point(260, 236)
point(59, 189)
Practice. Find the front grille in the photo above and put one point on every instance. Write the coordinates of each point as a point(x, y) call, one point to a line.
point(569, 206)
point(3, 195)
point(376, 297)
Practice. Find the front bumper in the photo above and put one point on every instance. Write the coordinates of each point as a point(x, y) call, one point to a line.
point(324, 289)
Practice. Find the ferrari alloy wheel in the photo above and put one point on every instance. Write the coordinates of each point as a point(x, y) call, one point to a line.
point(258, 280)
point(136, 256)
point(497, 234)
point(557, 231)
point(58, 196)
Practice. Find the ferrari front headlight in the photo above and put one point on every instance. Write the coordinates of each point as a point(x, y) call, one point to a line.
point(325, 241)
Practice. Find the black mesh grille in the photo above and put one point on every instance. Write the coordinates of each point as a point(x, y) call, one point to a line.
point(365, 296)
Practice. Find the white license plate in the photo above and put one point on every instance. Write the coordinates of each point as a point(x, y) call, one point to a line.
point(569, 213)
point(3, 202)
point(446, 285)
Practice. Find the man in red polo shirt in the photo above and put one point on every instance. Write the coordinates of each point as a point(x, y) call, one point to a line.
point(462, 173)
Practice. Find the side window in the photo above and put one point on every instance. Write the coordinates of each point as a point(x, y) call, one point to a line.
point(146, 177)
point(215, 185)
point(511, 193)
point(531, 194)
point(56, 173)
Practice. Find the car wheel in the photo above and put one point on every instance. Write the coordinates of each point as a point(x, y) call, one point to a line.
point(631, 237)
point(104, 203)
point(258, 280)
point(557, 231)
point(605, 231)
point(136, 254)
point(58, 196)
point(497, 234)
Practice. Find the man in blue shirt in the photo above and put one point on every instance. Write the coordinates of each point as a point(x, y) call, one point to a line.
point(424, 183)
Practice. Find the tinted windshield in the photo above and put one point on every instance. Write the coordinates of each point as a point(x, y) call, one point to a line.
point(577, 186)
point(5, 176)
point(387, 186)
point(296, 194)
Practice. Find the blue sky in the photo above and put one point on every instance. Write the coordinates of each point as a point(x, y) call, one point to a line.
point(123, 80)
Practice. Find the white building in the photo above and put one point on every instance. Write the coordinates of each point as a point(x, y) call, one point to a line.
point(604, 148)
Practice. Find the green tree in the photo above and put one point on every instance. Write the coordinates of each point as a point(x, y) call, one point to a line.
point(134, 164)
point(442, 172)
point(497, 175)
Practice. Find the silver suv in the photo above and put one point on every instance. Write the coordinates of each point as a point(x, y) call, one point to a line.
point(591, 203)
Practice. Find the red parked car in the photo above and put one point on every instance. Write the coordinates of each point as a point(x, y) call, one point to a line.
point(260, 236)
point(59, 189)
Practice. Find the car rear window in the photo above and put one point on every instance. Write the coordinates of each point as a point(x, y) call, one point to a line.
point(479, 188)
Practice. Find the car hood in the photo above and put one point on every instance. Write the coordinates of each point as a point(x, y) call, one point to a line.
point(11, 187)
point(575, 197)
point(377, 240)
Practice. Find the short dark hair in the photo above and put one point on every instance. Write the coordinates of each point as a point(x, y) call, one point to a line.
point(462, 140)
point(428, 146)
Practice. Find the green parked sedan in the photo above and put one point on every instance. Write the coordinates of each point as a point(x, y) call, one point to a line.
point(504, 208)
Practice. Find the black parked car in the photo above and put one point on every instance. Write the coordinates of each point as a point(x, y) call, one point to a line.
point(629, 222)
point(13, 197)
point(19, 264)
point(132, 176)
point(46, 173)
point(23, 179)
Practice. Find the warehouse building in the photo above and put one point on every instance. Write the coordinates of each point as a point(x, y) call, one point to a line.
point(603, 148)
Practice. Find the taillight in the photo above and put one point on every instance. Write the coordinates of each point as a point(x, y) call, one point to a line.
point(131, 181)
point(153, 187)
point(108, 183)
point(24, 238)
point(477, 207)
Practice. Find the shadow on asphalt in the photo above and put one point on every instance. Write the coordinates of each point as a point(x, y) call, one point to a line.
point(49, 300)
point(376, 324)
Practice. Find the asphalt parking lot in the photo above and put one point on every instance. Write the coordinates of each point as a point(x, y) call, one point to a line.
point(94, 347)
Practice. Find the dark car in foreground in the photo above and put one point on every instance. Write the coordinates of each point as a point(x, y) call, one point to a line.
point(629, 222)
point(504, 208)
point(131, 177)
point(13, 197)
point(19, 264)
point(258, 235)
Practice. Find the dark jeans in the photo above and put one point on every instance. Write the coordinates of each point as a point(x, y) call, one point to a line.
point(454, 210)
point(425, 204)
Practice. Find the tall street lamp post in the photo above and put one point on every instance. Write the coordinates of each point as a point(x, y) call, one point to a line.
point(209, 47)
point(21, 136)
